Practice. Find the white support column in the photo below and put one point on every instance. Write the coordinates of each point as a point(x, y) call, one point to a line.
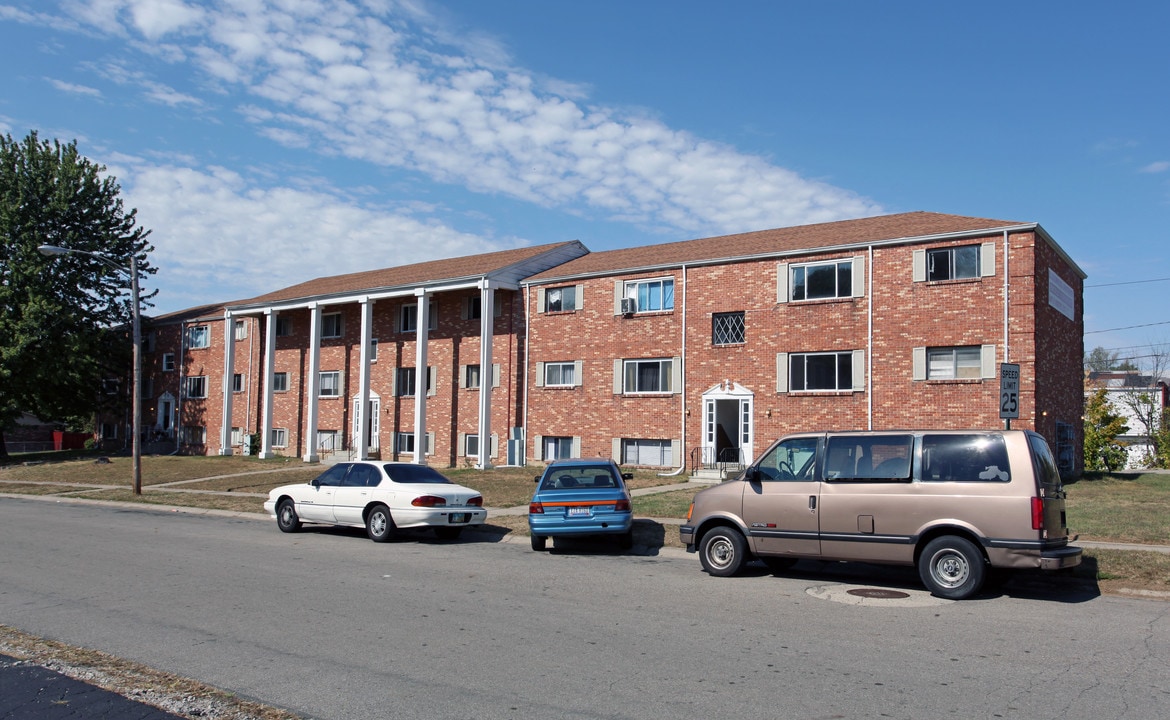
point(423, 317)
point(311, 400)
point(269, 372)
point(486, 334)
point(363, 404)
point(229, 370)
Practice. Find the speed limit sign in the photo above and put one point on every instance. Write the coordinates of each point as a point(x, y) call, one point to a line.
point(1009, 391)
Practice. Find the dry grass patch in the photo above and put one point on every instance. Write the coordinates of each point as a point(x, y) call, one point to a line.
point(240, 503)
point(156, 469)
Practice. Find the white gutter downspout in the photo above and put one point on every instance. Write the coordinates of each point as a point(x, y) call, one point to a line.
point(527, 378)
point(869, 347)
point(682, 445)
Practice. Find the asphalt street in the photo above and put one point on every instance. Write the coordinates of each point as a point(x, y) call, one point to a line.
point(31, 692)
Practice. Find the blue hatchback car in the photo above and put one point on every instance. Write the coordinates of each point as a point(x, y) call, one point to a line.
point(581, 497)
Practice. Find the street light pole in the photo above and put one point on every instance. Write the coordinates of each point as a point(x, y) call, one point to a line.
point(136, 336)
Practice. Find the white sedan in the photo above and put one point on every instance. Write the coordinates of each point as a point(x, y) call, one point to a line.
point(379, 496)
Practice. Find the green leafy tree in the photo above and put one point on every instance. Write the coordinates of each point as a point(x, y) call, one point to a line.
point(1102, 426)
point(1100, 360)
point(63, 320)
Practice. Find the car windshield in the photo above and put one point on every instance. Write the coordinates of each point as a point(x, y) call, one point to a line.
point(580, 476)
point(414, 474)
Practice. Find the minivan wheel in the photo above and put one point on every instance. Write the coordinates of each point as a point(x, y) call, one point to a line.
point(722, 551)
point(951, 567)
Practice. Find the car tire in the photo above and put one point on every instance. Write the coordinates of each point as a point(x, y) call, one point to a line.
point(722, 551)
point(538, 542)
point(380, 524)
point(626, 539)
point(952, 568)
point(286, 517)
point(777, 565)
point(448, 533)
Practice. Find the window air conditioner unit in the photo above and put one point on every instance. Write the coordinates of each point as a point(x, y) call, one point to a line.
point(629, 306)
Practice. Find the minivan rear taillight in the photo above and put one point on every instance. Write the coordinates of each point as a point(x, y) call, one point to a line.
point(1037, 513)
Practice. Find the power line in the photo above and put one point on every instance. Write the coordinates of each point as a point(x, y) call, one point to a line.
point(1130, 282)
point(1127, 327)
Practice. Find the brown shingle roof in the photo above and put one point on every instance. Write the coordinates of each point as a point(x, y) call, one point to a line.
point(434, 271)
point(782, 240)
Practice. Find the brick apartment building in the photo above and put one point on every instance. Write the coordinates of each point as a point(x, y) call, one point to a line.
point(682, 354)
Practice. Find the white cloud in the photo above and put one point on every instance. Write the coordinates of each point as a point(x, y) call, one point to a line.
point(218, 234)
point(75, 89)
point(390, 86)
point(1157, 167)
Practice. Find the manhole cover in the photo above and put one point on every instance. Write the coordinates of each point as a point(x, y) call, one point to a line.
point(878, 593)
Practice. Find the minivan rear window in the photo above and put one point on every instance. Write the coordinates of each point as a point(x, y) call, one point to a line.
point(965, 458)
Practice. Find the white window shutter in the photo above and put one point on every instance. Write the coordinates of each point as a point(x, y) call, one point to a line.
point(781, 372)
point(616, 451)
point(781, 282)
point(539, 300)
point(430, 446)
point(394, 441)
point(988, 357)
point(859, 276)
point(433, 379)
point(495, 375)
point(859, 370)
point(459, 451)
point(579, 302)
point(675, 450)
point(987, 259)
point(462, 377)
point(919, 266)
point(537, 445)
point(617, 376)
point(575, 451)
point(578, 368)
point(676, 375)
point(539, 374)
point(618, 288)
point(919, 363)
point(495, 447)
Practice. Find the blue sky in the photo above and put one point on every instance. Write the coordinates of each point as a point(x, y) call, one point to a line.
point(267, 142)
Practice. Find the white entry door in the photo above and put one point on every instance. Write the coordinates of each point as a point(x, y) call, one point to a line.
point(374, 413)
point(728, 434)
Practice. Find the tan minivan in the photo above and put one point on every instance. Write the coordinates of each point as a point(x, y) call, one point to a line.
point(961, 506)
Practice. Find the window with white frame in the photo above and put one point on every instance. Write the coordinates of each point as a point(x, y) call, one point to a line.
point(237, 437)
point(109, 431)
point(651, 295)
point(560, 299)
point(954, 363)
point(473, 309)
point(198, 337)
point(647, 376)
point(148, 342)
point(408, 320)
point(561, 374)
point(820, 281)
point(471, 445)
point(168, 362)
point(196, 386)
point(471, 376)
point(404, 444)
point(279, 437)
point(331, 325)
point(657, 453)
point(820, 371)
point(328, 441)
point(557, 448)
point(237, 383)
point(283, 326)
point(373, 349)
point(193, 435)
point(728, 328)
point(953, 263)
point(241, 330)
point(280, 382)
point(330, 384)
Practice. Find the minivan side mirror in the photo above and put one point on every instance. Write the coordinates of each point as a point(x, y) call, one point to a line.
point(752, 474)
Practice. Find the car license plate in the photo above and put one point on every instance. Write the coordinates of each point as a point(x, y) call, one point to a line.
point(459, 517)
point(579, 511)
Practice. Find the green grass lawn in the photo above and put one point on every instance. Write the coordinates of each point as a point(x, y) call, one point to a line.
point(1120, 508)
